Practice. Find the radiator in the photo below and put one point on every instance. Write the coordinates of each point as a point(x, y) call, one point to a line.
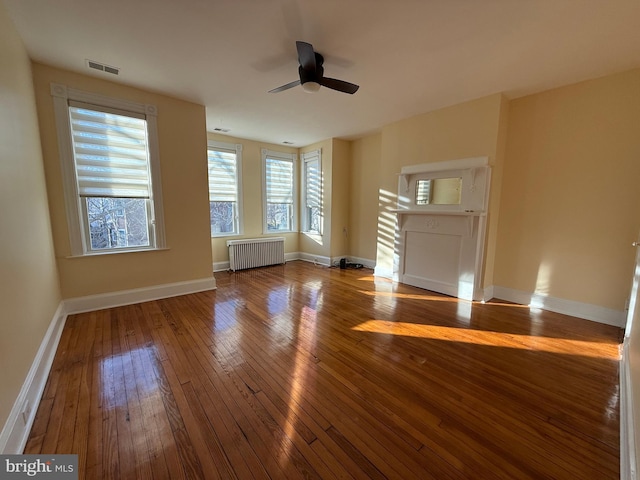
point(255, 252)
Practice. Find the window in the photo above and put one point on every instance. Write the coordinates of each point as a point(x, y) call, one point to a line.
point(224, 188)
point(108, 150)
point(311, 192)
point(279, 191)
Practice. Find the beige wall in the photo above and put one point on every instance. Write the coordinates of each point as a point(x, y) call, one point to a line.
point(340, 183)
point(363, 197)
point(466, 130)
point(182, 143)
point(29, 291)
point(570, 204)
point(495, 195)
point(252, 196)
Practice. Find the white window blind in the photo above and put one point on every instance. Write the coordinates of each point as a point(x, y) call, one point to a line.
point(110, 152)
point(279, 181)
point(313, 187)
point(223, 184)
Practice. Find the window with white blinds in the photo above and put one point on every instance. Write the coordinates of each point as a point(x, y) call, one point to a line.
point(108, 150)
point(224, 188)
point(311, 192)
point(279, 188)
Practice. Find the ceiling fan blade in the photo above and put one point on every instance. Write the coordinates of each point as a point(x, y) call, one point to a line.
point(285, 87)
point(339, 85)
point(306, 56)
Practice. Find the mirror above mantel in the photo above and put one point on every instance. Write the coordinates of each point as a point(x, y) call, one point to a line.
point(456, 185)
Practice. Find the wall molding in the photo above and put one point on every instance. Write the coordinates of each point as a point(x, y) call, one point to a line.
point(384, 272)
point(221, 266)
point(315, 259)
point(588, 311)
point(488, 293)
point(15, 432)
point(137, 295)
point(628, 460)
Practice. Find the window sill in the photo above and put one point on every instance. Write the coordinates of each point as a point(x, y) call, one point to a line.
point(118, 252)
point(226, 235)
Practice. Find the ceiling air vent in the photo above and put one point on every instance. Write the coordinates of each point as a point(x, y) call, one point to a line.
point(102, 67)
point(286, 142)
point(221, 130)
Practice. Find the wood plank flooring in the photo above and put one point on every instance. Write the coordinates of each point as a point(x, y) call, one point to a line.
point(300, 371)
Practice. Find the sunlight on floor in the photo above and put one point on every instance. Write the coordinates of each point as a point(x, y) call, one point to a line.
point(490, 338)
point(306, 340)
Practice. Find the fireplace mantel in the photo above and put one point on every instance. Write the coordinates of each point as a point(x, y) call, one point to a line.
point(440, 247)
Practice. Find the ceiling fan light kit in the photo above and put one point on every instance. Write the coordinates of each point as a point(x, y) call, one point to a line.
point(311, 73)
point(311, 87)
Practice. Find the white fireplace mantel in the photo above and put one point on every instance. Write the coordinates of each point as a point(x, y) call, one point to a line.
point(441, 247)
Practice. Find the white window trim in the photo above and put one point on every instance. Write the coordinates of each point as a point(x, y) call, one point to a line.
point(292, 157)
point(77, 237)
point(213, 144)
point(314, 155)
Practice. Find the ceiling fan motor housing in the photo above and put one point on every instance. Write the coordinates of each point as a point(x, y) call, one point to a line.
point(310, 76)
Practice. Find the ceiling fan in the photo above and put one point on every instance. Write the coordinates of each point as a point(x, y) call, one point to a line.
point(312, 73)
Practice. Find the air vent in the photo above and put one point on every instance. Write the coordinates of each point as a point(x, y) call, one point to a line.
point(286, 142)
point(102, 67)
point(221, 130)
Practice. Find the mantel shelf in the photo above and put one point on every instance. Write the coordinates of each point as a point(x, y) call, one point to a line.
point(457, 213)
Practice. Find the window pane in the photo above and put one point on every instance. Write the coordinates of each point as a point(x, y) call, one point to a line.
point(279, 217)
point(222, 217)
point(117, 222)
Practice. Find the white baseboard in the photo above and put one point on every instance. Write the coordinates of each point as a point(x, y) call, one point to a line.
point(221, 266)
point(383, 272)
point(308, 257)
point(137, 295)
point(587, 311)
point(488, 293)
point(15, 432)
point(628, 460)
point(224, 266)
point(315, 259)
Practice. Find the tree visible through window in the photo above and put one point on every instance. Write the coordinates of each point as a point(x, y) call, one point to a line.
point(224, 187)
point(117, 222)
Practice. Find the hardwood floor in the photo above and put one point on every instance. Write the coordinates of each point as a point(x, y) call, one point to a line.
point(299, 371)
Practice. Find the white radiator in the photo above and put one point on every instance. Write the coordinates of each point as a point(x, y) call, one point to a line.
point(255, 252)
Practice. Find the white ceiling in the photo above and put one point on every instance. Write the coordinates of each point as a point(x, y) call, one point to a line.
point(408, 56)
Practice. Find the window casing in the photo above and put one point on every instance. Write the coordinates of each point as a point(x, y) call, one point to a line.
point(225, 194)
point(279, 191)
point(311, 198)
point(111, 173)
